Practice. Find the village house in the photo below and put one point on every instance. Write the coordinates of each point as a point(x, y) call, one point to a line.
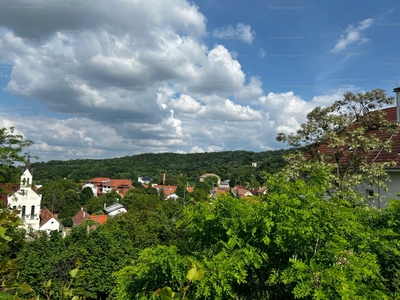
point(82, 216)
point(145, 179)
point(114, 209)
point(224, 184)
point(49, 222)
point(103, 185)
point(168, 190)
point(259, 191)
point(240, 192)
point(380, 196)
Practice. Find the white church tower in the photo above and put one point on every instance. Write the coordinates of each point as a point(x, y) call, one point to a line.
point(27, 201)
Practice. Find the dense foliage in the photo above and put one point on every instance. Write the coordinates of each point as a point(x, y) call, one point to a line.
point(227, 164)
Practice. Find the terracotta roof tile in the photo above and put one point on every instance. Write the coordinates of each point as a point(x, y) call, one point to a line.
point(46, 215)
point(80, 217)
point(101, 219)
point(377, 155)
point(10, 188)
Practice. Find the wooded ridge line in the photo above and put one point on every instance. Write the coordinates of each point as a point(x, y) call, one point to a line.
point(225, 164)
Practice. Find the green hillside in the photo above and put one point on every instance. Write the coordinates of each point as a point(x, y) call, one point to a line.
point(227, 164)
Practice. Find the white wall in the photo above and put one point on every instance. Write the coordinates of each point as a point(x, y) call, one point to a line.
point(51, 225)
point(26, 196)
point(381, 197)
point(92, 186)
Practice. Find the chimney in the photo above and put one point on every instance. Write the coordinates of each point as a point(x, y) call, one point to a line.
point(397, 91)
point(163, 179)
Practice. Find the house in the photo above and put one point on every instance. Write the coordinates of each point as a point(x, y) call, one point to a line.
point(103, 185)
point(101, 219)
point(168, 190)
point(114, 209)
point(7, 189)
point(27, 201)
point(217, 192)
point(259, 191)
point(224, 184)
point(80, 217)
point(49, 222)
point(204, 176)
point(145, 179)
point(240, 192)
point(380, 197)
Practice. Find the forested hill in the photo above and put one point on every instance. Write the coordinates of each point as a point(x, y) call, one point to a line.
point(227, 164)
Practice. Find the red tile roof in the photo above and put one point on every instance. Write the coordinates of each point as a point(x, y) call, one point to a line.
point(101, 219)
point(98, 180)
point(45, 216)
point(378, 155)
point(10, 188)
point(80, 217)
point(168, 189)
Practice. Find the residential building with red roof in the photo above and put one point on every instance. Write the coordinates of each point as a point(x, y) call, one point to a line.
point(80, 217)
point(49, 221)
point(103, 185)
point(391, 114)
point(101, 219)
point(7, 189)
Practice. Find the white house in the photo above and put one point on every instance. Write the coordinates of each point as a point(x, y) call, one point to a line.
point(114, 209)
point(27, 201)
point(145, 179)
point(49, 222)
point(224, 184)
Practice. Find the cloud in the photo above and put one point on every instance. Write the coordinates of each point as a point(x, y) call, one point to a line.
point(196, 149)
point(262, 52)
point(241, 32)
point(104, 86)
point(353, 35)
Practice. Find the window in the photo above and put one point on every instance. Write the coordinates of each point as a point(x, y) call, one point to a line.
point(370, 193)
point(23, 211)
point(14, 207)
point(32, 211)
point(27, 181)
point(23, 181)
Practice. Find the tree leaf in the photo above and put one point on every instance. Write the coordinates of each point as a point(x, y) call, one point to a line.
point(25, 288)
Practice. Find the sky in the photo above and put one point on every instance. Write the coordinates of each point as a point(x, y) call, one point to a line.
point(111, 78)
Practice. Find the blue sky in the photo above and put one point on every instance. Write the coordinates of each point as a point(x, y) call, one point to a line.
point(109, 78)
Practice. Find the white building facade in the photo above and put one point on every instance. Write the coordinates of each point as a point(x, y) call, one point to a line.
point(27, 201)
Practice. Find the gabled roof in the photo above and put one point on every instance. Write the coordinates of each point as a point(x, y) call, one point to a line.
point(45, 216)
point(168, 189)
point(113, 207)
point(98, 180)
point(80, 217)
point(377, 155)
